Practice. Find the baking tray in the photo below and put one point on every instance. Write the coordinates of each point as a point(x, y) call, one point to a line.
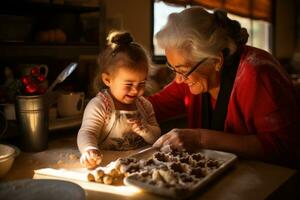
point(225, 159)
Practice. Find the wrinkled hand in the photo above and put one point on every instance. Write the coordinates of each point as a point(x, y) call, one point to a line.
point(91, 158)
point(180, 139)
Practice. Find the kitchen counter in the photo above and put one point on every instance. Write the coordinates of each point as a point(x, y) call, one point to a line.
point(246, 179)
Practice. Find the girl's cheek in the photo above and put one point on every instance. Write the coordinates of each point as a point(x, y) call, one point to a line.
point(141, 92)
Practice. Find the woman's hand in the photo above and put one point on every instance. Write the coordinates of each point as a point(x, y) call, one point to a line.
point(91, 158)
point(181, 139)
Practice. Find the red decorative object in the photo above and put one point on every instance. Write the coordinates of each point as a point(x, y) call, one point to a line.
point(31, 88)
point(35, 71)
point(41, 78)
point(26, 80)
point(33, 84)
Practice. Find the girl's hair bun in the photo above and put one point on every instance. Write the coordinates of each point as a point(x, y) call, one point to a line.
point(122, 39)
point(119, 39)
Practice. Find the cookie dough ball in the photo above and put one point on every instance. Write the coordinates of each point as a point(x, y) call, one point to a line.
point(90, 177)
point(107, 180)
point(114, 173)
point(98, 174)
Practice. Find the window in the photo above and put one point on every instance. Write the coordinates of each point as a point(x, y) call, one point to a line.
point(161, 12)
point(259, 31)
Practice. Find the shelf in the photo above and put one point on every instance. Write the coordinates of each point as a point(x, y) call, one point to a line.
point(65, 123)
point(58, 51)
point(30, 8)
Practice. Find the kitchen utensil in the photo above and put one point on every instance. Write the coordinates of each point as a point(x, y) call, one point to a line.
point(70, 104)
point(63, 75)
point(32, 113)
point(144, 153)
point(7, 157)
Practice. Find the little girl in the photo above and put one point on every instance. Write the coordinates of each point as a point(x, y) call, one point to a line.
point(118, 117)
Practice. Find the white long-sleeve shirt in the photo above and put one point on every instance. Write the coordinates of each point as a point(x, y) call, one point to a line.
point(104, 127)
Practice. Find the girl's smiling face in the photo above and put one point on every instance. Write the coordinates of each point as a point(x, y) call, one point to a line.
point(125, 84)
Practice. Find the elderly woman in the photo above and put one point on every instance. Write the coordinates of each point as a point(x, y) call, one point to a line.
point(237, 98)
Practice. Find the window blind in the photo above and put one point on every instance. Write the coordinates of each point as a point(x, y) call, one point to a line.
point(254, 9)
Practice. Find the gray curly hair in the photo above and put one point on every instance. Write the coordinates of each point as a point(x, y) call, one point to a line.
point(202, 34)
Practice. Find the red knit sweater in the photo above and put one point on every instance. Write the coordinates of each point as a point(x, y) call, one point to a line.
point(263, 101)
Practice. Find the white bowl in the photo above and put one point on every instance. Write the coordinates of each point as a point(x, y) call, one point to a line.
point(7, 157)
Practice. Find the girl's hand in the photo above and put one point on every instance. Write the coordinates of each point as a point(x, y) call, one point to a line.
point(91, 158)
point(137, 126)
point(181, 139)
point(146, 131)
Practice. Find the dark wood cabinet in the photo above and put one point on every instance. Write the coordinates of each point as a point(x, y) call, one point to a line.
point(34, 30)
point(51, 34)
point(54, 35)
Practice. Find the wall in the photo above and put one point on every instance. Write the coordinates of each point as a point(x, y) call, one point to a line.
point(297, 11)
point(131, 15)
point(285, 42)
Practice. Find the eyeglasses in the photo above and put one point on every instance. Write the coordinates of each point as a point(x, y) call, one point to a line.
point(186, 75)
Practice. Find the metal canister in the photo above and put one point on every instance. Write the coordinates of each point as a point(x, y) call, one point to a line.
point(32, 113)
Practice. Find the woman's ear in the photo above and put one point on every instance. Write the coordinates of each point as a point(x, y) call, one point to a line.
point(219, 62)
point(106, 79)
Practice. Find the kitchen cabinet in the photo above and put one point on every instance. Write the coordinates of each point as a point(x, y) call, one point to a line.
point(35, 33)
point(51, 34)
point(41, 31)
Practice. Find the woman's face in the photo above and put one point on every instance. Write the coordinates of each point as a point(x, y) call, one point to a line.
point(202, 79)
point(125, 84)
